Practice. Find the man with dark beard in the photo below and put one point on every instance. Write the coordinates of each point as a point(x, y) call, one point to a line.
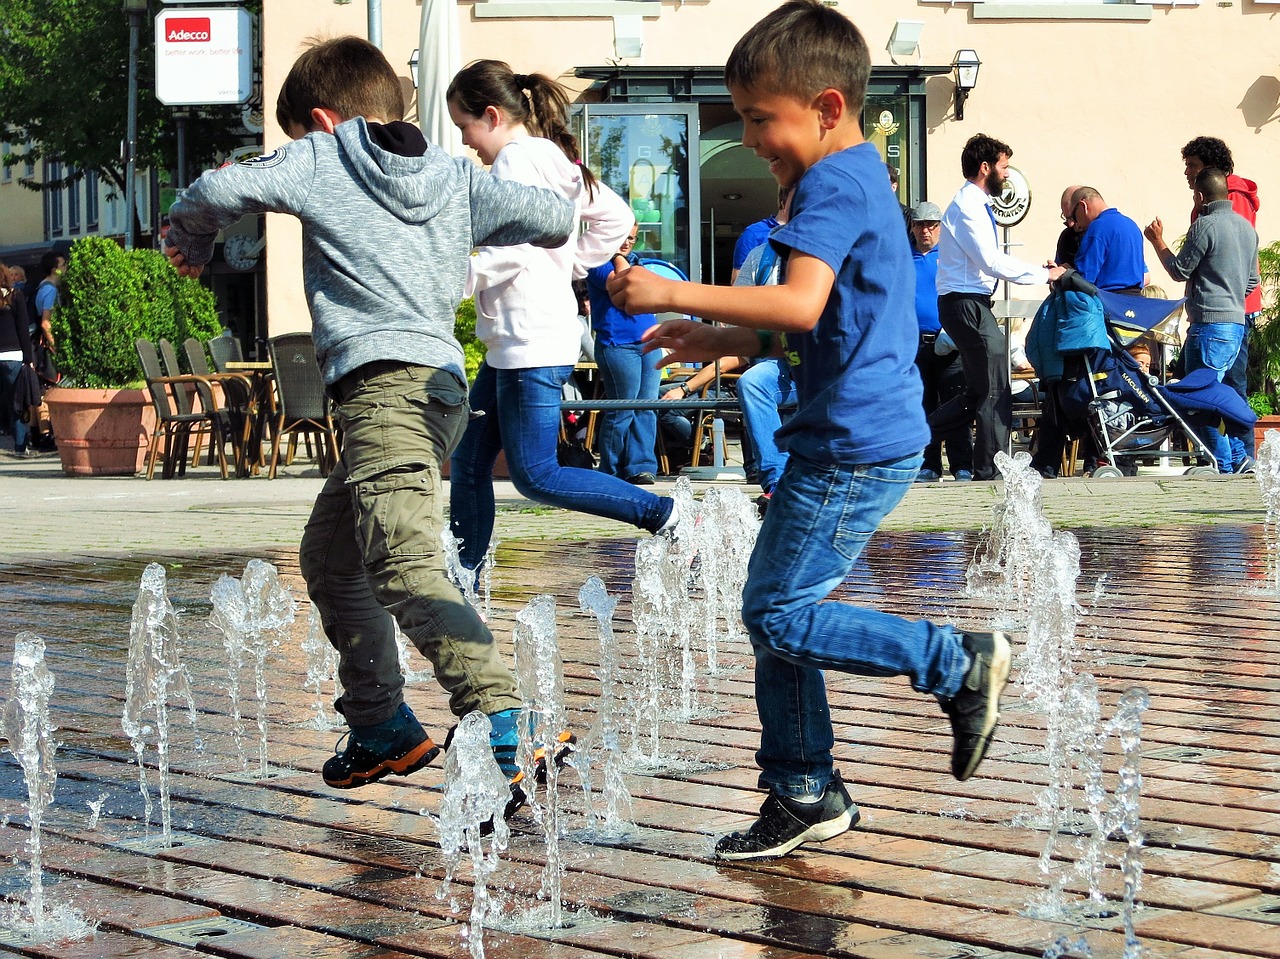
point(970, 264)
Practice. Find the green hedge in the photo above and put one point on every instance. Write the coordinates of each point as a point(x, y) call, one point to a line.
point(110, 298)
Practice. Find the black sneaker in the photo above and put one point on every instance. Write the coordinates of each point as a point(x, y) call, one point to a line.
point(785, 824)
point(975, 709)
point(400, 745)
point(642, 479)
point(762, 503)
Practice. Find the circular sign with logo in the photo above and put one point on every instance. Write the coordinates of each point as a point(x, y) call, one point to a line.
point(1012, 205)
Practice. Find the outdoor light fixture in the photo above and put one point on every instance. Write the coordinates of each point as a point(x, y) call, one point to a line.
point(966, 66)
point(414, 59)
point(904, 41)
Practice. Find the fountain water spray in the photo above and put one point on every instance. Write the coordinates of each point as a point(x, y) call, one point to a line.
point(322, 669)
point(602, 746)
point(1003, 570)
point(476, 585)
point(541, 679)
point(1032, 572)
point(155, 672)
point(1268, 473)
point(29, 732)
point(252, 614)
point(476, 794)
point(725, 538)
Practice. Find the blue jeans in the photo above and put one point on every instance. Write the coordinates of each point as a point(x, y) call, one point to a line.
point(9, 370)
point(1242, 447)
point(522, 417)
point(762, 390)
point(817, 525)
point(1216, 346)
point(627, 437)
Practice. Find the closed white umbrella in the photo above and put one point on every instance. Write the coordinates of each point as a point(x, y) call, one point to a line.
point(439, 61)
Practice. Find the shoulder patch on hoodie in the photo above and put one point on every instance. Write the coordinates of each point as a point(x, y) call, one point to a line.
point(265, 159)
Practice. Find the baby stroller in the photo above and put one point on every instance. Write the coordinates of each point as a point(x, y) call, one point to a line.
point(1077, 345)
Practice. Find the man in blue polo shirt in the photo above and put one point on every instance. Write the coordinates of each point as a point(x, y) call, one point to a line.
point(1110, 254)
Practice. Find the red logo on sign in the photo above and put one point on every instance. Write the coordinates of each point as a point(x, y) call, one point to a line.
point(186, 30)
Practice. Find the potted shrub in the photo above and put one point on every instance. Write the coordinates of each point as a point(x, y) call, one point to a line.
point(1264, 346)
point(100, 413)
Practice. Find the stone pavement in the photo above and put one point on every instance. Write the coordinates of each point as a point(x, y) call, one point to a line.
point(280, 867)
point(43, 512)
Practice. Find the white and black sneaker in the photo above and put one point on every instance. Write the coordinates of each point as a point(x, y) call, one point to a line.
point(975, 708)
point(786, 823)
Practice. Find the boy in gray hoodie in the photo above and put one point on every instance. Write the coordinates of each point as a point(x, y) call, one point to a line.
point(388, 223)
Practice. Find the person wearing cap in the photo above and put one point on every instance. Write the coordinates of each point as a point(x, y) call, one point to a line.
point(938, 362)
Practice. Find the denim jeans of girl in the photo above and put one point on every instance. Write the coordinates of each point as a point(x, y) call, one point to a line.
point(1214, 345)
point(628, 437)
point(521, 416)
point(818, 523)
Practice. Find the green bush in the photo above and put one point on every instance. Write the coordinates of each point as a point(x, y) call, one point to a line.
point(1264, 340)
point(110, 298)
point(464, 328)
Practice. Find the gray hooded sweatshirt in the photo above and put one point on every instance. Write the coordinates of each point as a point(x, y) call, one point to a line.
point(385, 236)
point(1220, 261)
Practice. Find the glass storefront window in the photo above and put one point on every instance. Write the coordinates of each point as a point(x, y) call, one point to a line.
point(642, 152)
point(885, 123)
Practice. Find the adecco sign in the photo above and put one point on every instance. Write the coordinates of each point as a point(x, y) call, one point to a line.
point(203, 56)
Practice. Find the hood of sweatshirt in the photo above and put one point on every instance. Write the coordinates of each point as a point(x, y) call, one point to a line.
point(1246, 190)
point(389, 161)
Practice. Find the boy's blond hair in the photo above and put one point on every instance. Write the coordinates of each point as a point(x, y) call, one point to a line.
point(801, 49)
point(347, 75)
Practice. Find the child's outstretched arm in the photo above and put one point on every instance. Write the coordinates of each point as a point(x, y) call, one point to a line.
point(793, 306)
point(279, 182)
point(692, 342)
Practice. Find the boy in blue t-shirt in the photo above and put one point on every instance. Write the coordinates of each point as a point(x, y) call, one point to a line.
point(845, 312)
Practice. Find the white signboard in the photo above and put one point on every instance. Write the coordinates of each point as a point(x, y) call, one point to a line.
point(204, 55)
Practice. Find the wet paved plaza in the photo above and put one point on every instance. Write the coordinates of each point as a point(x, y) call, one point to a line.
point(285, 867)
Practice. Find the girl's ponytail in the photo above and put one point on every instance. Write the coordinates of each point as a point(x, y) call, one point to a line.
point(534, 100)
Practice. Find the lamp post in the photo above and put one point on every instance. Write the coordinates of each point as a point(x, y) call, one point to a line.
point(966, 64)
point(135, 10)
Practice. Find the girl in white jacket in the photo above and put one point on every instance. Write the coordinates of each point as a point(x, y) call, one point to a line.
point(526, 312)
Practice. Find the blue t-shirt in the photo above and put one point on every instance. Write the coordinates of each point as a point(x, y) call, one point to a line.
point(927, 290)
point(751, 238)
point(1110, 255)
point(46, 297)
point(860, 397)
point(612, 326)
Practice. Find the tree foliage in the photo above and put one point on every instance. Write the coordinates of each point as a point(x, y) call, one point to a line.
point(64, 68)
point(110, 298)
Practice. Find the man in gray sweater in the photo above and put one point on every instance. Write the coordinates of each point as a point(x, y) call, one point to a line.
point(388, 223)
point(1219, 261)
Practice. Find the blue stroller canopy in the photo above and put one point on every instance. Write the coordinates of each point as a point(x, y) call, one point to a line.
point(1130, 315)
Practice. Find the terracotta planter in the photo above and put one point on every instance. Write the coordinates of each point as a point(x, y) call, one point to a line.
point(101, 432)
point(1260, 428)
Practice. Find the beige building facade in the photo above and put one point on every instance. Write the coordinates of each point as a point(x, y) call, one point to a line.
point(1085, 91)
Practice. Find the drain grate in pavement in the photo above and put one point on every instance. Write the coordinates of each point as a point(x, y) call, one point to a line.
point(1183, 754)
point(256, 776)
point(155, 843)
point(1259, 909)
point(195, 932)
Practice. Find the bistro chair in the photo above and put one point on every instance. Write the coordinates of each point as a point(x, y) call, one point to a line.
point(302, 408)
point(224, 350)
point(174, 425)
point(229, 395)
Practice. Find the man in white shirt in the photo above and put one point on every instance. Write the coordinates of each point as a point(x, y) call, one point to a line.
point(970, 264)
